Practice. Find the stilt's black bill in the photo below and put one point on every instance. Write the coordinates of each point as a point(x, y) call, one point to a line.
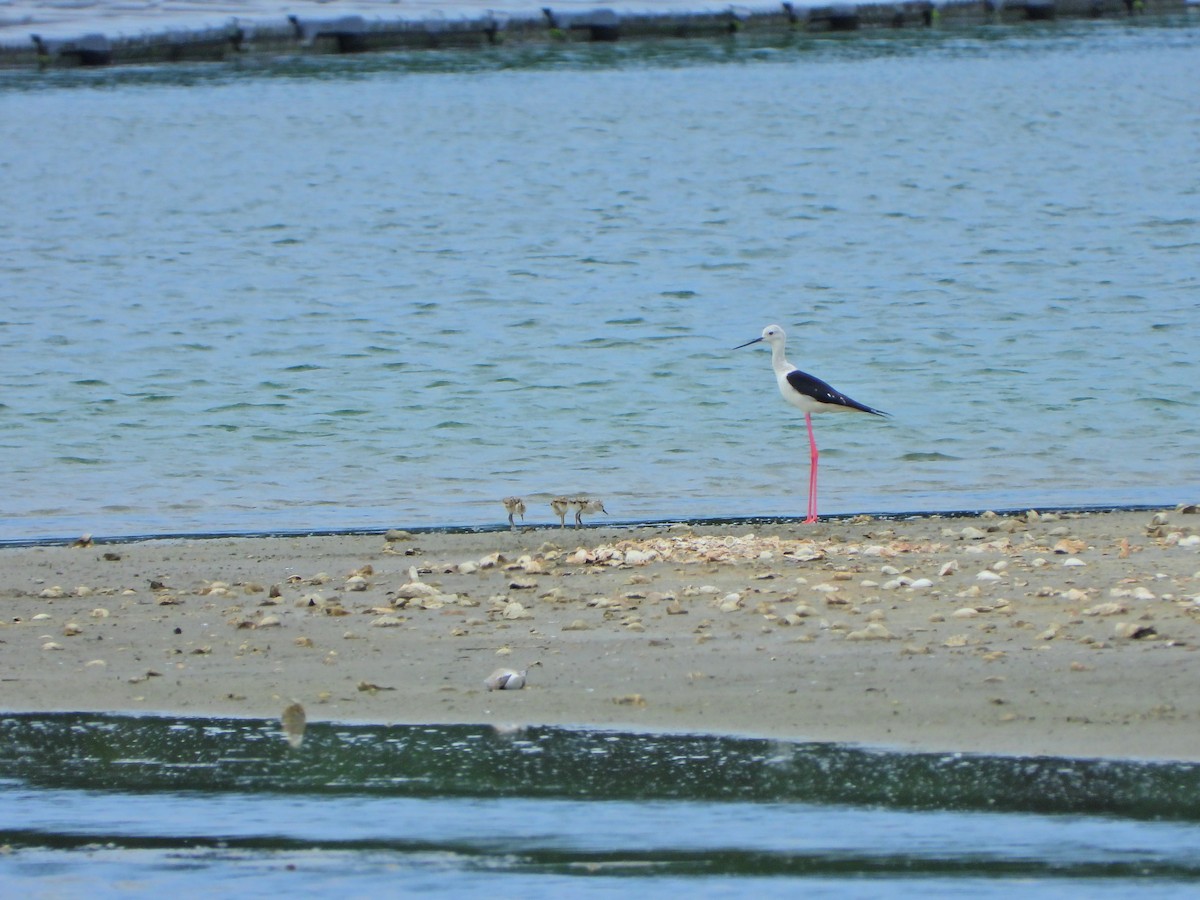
point(757, 340)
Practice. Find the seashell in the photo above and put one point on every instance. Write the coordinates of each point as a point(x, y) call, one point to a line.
point(268, 622)
point(386, 621)
point(506, 680)
point(293, 720)
point(71, 629)
point(51, 645)
point(948, 568)
point(967, 612)
point(1074, 562)
point(516, 610)
point(42, 617)
point(303, 642)
point(921, 584)
point(52, 593)
point(987, 575)
point(1069, 546)
point(873, 632)
point(99, 613)
point(356, 583)
point(1133, 631)
point(468, 568)
point(730, 603)
point(630, 700)
point(1110, 608)
point(415, 589)
point(95, 664)
point(368, 687)
point(577, 625)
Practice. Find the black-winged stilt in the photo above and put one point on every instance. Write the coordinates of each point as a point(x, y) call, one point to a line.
point(806, 393)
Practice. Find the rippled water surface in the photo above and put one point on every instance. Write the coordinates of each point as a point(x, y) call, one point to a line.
point(392, 290)
point(201, 806)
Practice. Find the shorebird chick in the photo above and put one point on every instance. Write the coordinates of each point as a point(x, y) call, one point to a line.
point(515, 507)
point(584, 505)
point(560, 505)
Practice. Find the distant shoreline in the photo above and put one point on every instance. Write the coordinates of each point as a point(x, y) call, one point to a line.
point(93, 37)
point(553, 528)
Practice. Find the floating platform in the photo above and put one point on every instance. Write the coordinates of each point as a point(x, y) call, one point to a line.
point(359, 33)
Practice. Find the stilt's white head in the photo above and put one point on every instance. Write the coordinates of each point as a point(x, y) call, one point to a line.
point(772, 334)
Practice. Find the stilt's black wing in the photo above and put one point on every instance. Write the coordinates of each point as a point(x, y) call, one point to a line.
point(814, 387)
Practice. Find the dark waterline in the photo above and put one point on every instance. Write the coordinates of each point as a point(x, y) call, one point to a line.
point(728, 521)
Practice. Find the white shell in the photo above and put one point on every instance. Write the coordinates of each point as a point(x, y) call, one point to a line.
point(505, 680)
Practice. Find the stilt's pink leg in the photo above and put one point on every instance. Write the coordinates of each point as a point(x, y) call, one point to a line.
point(812, 472)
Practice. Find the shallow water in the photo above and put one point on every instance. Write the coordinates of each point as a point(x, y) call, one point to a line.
point(199, 805)
point(333, 293)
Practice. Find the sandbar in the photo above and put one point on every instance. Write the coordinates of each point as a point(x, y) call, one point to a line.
point(1056, 633)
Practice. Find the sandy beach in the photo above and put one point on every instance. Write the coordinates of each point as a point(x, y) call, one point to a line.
point(1071, 634)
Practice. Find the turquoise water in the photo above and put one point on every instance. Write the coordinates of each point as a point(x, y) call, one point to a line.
point(92, 805)
point(391, 290)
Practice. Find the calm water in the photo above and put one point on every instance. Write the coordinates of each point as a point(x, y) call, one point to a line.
point(197, 807)
point(392, 290)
